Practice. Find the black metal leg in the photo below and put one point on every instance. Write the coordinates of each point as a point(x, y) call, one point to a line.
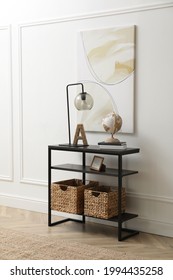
point(49, 187)
point(49, 196)
point(65, 220)
point(83, 176)
point(128, 232)
point(83, 164)
point(119, 196)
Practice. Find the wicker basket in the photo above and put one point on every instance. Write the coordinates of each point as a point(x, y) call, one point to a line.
point(102, 202)
point(68, 195)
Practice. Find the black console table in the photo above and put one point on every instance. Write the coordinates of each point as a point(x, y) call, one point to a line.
point(118, 172)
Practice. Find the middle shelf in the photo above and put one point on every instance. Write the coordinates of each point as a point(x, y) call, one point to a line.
point(79, 168)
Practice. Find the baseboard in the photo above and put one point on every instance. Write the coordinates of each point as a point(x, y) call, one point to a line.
point(151, 226)
point(24, 203)
point(140, 223)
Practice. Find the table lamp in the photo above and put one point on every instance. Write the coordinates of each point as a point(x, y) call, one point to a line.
point(83, 101)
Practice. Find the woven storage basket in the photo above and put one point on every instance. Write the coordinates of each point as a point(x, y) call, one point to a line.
point(68, 195)
point(102, 202)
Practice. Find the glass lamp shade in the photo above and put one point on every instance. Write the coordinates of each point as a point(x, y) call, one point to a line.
point(83, 101)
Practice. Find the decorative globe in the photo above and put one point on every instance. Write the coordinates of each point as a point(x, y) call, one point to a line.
point(112, 123)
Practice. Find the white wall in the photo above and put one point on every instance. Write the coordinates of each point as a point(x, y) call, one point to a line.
point(38, 43)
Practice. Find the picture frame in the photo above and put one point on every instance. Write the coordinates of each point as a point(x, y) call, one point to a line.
point(97, 163)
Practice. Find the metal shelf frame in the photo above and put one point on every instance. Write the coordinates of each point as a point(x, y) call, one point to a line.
point(123, 233)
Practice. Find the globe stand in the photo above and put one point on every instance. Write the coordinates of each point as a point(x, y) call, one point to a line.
point(112, 140)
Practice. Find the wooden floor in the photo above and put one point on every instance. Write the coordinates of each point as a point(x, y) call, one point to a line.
point(146, 246)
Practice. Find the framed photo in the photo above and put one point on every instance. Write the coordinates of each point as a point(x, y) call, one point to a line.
point(96, 163)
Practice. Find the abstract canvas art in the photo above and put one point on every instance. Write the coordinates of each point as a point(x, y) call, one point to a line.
point(106, 68)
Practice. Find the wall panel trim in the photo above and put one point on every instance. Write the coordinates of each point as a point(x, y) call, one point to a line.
point(11, 172)
point(155, 198)
point(127, 10)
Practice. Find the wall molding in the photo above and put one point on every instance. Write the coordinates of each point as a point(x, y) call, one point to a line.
point(127, 10)
point(142, 224)
point(23, 179)
point(20, 102)
point(151, 226)
point(155, 198)
point(33, 181)
point(11, 173)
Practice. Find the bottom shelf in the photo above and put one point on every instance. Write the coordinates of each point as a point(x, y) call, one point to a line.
point(123, 233)
point(124, 217)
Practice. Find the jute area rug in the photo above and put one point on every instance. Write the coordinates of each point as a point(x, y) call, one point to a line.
point(15, 245)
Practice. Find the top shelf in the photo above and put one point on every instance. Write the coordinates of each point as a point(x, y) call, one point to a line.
point(94, 149)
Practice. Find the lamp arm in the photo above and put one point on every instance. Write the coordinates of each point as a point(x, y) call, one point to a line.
point(76, 84)
point(68, 108)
